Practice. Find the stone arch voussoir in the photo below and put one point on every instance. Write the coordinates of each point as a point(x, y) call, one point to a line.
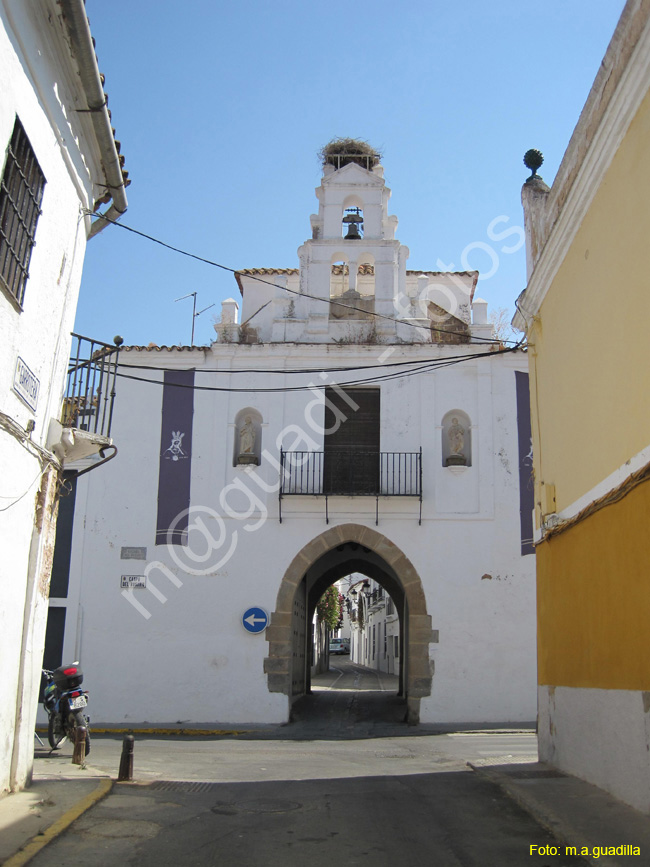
point(277, 665)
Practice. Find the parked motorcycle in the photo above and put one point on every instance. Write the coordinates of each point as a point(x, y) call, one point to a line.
point(64, 702)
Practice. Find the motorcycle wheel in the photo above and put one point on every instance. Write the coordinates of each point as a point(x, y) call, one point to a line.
point(76, 720)
point(54, 737)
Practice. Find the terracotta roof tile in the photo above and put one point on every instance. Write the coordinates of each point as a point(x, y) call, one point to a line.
point(107, 196)
point(153, 347)
point(336, 269)
point(259, 272)
point(445, 273)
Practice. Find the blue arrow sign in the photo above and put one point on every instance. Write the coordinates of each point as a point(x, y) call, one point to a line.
point(255, 620)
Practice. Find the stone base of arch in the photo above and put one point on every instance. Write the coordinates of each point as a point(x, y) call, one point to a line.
point(419, 674)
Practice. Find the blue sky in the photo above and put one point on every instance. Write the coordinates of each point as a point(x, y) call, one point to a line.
point(221, 109)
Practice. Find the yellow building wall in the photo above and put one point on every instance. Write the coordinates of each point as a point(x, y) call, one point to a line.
point(591, 354)
point(593, 598)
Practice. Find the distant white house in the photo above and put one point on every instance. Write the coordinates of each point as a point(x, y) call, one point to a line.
point(357, 417)
point(59, 163)
point(373, 626)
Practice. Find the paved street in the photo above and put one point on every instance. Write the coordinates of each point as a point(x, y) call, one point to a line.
point(327, 788)
point(446, 818)
point(352, 725)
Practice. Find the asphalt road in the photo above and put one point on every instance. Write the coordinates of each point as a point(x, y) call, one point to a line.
point(446, 819)
point(345, 784)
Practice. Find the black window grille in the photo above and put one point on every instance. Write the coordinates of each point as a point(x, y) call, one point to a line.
point(21, 193)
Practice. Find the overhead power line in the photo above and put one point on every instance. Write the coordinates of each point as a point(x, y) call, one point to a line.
point(318, 370)
point(423, 367)
point(284, 288)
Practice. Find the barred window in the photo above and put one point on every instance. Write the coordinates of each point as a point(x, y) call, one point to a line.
point(21, 193)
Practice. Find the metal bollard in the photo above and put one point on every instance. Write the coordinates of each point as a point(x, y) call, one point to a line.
point(79, 752)
point(125, 774)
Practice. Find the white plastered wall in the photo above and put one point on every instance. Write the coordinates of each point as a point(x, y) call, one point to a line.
point(36, 89)
point(194, 643)
point(600, 735)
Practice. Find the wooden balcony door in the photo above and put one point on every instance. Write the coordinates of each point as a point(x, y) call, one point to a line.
point(351, 461)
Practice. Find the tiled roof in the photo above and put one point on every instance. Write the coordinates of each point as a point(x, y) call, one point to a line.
point(445, 273)
point(153, 347)
point(90, 100)
point(106, 198)
point(365, 268)
point(337, 269)
point(267, 271)
point(259, 272)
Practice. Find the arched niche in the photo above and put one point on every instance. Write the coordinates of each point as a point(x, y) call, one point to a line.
point(248, 426)
point(456, 431)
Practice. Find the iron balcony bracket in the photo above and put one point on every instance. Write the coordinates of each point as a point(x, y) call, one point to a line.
point(104, 460)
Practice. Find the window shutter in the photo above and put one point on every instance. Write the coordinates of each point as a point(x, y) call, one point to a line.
point(352, 449)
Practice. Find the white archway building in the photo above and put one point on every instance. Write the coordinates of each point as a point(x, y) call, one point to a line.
point(350, 427)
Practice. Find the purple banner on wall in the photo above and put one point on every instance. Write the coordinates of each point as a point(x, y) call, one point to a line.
point(175, 457)
point(526, 479)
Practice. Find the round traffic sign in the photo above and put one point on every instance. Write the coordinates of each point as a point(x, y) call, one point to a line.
point(255, 620)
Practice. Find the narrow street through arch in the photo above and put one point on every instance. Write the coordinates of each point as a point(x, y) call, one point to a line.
point(337, 553)
point(349, 700)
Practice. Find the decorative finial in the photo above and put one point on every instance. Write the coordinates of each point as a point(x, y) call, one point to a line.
point(533, 159)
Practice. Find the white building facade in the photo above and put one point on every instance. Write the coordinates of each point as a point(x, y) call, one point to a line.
point(373, 624)
point(57, 164)
point(357, 418)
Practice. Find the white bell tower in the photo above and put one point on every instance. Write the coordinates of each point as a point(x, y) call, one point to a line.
point(353, 255)
point(352, 285)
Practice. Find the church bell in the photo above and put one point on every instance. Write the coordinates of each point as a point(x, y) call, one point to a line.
point(354, 219)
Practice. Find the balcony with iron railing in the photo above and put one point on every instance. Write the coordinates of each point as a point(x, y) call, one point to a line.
point(84, 428)
point(351, 473)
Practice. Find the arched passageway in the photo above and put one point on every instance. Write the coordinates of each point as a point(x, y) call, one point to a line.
point(330, 556)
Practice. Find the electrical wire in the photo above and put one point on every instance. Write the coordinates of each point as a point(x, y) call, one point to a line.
point(283, 288)
point(426, 367)
point(41, 473)
point(610, 498)
point(318, 370)
point(10, 426)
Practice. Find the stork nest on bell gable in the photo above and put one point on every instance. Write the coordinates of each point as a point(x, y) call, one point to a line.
point(340, 152)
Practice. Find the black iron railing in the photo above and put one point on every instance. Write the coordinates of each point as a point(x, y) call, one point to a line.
point(351, 472)
point(90, 392)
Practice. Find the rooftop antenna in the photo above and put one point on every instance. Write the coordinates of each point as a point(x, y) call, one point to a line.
point(192, 295)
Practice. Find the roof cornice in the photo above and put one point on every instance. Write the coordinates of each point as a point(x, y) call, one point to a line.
point(615, 97)
point(83, 50)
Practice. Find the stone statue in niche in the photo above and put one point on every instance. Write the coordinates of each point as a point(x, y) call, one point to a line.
point(247, 443)
point(456, 435)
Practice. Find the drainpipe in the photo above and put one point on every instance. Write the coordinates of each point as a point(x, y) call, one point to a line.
point(76, 22)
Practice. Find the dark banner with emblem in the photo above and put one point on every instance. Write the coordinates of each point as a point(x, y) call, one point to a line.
point(175, 457)
point(526, 480)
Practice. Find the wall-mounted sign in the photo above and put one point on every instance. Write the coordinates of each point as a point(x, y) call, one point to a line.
point(131, 582)
point(255, 620)
point(133, 553)
point(26, 384)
